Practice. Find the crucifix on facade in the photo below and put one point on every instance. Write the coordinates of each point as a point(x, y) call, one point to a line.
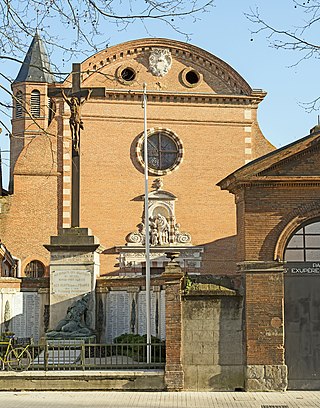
point(75, 98)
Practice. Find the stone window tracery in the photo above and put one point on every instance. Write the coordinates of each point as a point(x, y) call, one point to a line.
point(165, 151)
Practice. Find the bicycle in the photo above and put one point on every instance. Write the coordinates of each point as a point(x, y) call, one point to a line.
point(16, 358)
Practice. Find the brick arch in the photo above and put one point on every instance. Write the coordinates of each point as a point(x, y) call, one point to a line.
point(31, 258)
point(190, 54)
point(291, 222)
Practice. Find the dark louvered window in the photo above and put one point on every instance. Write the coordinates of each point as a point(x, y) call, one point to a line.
point(35, 103)
point(18, 103)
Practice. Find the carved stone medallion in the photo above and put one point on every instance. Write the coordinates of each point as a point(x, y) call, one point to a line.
point(160, 61)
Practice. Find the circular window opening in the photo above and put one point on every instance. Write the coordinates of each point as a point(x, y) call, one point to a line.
point(128, 74)
point(164, 152)
point(34, 269)
point(192, 77)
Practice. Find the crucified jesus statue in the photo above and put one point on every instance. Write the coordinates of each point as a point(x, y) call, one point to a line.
point(76, 124)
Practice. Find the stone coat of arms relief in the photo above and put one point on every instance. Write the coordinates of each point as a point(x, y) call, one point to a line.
point(160, 61)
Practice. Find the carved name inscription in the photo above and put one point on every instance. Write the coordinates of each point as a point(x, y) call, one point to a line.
point(72, 282)
point(25, 319)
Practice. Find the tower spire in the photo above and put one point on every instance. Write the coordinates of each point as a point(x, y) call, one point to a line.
point(36, 65)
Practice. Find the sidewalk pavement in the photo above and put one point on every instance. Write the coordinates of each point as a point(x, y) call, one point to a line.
point(111, 399)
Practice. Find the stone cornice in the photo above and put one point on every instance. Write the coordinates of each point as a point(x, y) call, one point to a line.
point(275, 182)
point(260, 266)
point(183, 97)
point(123, 95)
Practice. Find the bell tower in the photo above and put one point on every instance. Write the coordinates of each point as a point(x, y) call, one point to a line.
point(32, 110)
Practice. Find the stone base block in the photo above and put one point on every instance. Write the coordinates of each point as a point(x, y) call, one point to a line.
point(174, 379)
point(213, 377)
point(266, 378)
point(139, 380)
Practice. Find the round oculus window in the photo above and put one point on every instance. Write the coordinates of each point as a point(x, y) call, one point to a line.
point(164, 151)
point(191, 78)
point(126, 74)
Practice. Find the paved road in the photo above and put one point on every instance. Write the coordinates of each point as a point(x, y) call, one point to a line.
point(57, 399)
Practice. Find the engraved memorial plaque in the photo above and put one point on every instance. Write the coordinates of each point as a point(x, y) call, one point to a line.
point(72, 282)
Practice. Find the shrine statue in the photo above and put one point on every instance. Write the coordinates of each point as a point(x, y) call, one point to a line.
point(154, 235)
point(163, 229)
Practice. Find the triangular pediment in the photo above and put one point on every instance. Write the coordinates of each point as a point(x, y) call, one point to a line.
point(305, 163)
point(296, 161)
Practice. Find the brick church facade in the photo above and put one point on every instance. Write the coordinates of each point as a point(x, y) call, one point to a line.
point(204, 142)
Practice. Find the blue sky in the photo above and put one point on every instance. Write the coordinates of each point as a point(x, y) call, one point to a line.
point(226, 33)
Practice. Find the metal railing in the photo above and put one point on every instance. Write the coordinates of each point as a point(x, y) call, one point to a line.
point(77, 355)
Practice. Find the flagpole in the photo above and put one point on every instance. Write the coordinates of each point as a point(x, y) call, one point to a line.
point(146, 223)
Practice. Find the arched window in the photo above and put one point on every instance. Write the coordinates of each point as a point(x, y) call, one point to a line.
point(35, 103)
point(34, 269)
point(18, 103)
point(51, 109)
point(304, 244)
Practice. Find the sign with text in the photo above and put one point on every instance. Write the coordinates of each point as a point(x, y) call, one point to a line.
point(302, 268)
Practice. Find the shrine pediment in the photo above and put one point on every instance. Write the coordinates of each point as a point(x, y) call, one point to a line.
point(158, 195)
point(296, 162)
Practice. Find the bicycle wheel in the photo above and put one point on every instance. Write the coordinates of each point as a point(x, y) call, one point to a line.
point(19, 359)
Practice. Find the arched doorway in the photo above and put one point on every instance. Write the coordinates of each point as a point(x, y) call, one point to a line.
point(302, 306)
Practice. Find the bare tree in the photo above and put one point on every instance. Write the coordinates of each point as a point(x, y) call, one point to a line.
point(85, 24)
point(302, 39)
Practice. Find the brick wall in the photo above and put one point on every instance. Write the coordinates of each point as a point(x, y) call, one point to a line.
point(264, 318)
point(174, 377)
point(218, 129)
point(266, 209)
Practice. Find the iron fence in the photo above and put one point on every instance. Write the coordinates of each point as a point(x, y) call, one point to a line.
point(78, 355)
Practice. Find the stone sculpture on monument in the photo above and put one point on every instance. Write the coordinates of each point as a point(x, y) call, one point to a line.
point(73, 325)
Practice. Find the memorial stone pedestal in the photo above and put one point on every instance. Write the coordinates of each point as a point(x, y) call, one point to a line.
point(74, 267)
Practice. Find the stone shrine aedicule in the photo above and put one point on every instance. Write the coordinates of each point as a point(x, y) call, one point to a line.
point(164, 230)
point(164, 235)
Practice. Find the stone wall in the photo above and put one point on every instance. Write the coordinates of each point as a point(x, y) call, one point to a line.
point(212, 351)
point(221, 110)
